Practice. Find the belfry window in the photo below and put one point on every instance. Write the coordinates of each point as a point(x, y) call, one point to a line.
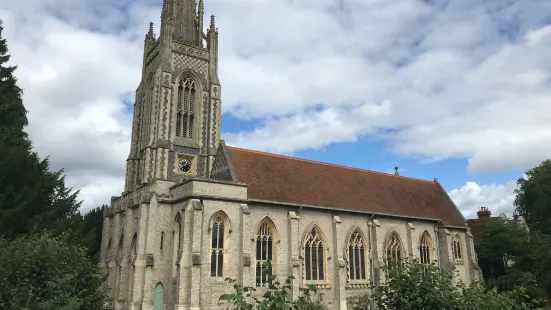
point(314, 258)
point(425, 247)
point(264, 253)
point(393, 251)
point(218, 238)
point(357, 256)
point(456, 247)
point(186, 107)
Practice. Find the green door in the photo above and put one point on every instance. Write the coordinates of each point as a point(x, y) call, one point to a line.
point(159, 296)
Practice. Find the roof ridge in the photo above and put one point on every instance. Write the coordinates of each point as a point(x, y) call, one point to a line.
point(328, 164)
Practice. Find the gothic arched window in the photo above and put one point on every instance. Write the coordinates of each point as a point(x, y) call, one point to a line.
point(357, 253)
point(314, 256)
point(393, 251)
point(456, 247)
point(425, 247)
point(120, 255)
point(186, 107)
point(265, 237)
point(133, 255)
point(176, 243)
point(218, 245)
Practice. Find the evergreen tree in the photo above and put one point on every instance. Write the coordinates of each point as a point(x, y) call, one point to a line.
point(13, 115)
point(31, 196)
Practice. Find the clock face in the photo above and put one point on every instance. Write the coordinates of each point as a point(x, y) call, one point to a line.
point(184, 165)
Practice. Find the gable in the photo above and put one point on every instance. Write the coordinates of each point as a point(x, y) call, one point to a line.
point(221, 167)
point(276, 178)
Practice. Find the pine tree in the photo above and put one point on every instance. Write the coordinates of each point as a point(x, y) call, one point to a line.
point(13, 115)
point(31, 196)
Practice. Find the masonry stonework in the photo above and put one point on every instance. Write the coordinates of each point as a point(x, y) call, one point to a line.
point(193, 209)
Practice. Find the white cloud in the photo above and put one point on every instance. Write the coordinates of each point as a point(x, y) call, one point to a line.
point(498, 198)
point(457, 78)
point(74, 79)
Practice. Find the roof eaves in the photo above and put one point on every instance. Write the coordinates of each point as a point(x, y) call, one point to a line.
point(450, 200)
point(344, 210)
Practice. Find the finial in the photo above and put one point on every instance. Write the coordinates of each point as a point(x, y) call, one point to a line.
point(212, 22)
point(150, 33)
point(201, 4)
point(396, 170)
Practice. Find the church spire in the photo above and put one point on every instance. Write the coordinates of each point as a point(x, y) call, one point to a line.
point(186, 23)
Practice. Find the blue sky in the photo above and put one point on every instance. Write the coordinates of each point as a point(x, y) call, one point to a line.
point(453, 89)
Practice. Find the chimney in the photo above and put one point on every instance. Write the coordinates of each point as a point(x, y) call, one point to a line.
point(483, 212)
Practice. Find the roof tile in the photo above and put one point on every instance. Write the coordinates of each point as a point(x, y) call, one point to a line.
point(291, 180)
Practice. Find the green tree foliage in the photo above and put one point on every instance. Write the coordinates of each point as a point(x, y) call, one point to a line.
point(420, 287)
point(277, 297)
point(48, 272)
point(500, 244)
point(416, 286)
point(512, 257)
point(91, 231)
point(31, 196)
point(533, 198)
point(13, 115)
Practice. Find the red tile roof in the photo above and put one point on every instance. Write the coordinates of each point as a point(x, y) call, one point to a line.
point(292, 180)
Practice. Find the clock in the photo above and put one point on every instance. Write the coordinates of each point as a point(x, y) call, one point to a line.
point(184, 164)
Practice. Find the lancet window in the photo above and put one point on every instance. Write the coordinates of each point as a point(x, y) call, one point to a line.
point(314, 256)
point(456, 247)
point(357, 254)
point(265, 253)
point(393, 251)
point(425, 247)
point(176, 243)
point(186, 107)
point(218, 237)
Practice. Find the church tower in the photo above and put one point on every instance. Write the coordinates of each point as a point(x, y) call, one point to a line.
point(176, 124)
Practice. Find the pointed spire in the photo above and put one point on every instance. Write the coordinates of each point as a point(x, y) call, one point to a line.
point(212, 24)
point(150, 33)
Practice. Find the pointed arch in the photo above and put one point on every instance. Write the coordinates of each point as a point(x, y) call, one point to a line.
point(314, 254)
point(176, 243)
point(120, 254)
point(134, 248)
point(132, 271)
point(120, 251)
point(425, 248)
point(108, 248)
point(457, 246)
point(188, 103)
point(265, 239)
point(356, 255)
point(158, 297)
point(393, 250)
point(219, 229)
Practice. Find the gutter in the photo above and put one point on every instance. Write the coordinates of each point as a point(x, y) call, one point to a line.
point(300, 206)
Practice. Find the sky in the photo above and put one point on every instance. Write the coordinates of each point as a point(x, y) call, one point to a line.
point(458, 90)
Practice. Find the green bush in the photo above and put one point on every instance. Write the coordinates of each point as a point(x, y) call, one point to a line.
point(420, 287)
point(277, 297)
point(47, 272)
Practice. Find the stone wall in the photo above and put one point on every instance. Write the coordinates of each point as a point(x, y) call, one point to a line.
point(190, 208)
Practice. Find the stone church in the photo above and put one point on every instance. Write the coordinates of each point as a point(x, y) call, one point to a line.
point(195, 211)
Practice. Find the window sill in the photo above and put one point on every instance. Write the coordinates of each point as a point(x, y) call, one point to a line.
point(320, 284)
point(217, 280)
point(358, 283)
